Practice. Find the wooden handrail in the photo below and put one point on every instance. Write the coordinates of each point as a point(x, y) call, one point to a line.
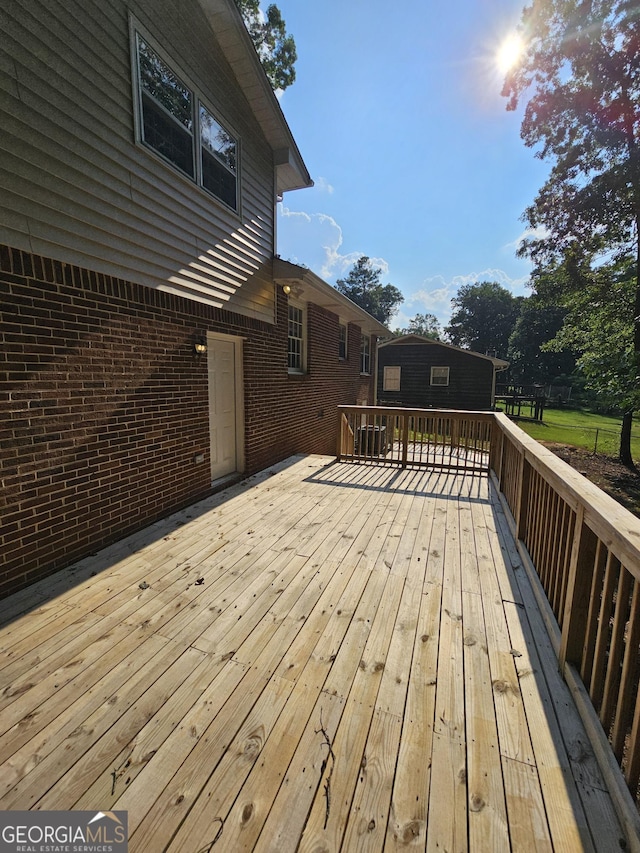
point(433, 438)
point(582, 550)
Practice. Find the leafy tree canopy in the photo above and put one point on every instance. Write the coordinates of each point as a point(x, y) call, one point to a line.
point(530, 362)
point(580, 79)
point(483, 318)
point(598, 326)
point(426, 325)
point(275, 47)
point(362, 285)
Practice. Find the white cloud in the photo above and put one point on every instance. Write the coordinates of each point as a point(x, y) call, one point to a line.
point(315, 240)
point(323, 185)
point(436, 292)
point(538, 233)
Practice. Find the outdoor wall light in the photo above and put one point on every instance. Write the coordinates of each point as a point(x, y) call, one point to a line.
point(200, 346)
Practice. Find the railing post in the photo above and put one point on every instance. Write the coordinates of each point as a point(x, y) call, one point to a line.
point(524, 488)
point(405, 438)
point(583, 554)
point(495, 450)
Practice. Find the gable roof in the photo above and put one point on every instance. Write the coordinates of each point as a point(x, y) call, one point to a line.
point(308, 286)
point(226, 22)
point(498, 363)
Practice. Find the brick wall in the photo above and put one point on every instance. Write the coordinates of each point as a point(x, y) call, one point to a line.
point(104, 406)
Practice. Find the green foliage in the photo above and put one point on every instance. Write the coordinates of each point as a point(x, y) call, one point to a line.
point(530, 362)
point(580, 76)
point(425, 325)
point(362, 285)
point(598, 328)
point(484, 316)
point(275, 47)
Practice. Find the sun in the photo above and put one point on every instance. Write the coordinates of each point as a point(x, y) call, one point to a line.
point(509, 52)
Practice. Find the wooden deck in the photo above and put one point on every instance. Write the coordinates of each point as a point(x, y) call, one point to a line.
point(325, 657)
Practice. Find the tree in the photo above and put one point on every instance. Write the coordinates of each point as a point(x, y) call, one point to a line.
point(598, 327)
point(484, 316)
point(426, 325)
point(580, 77)
point(530, 360)
point(362, 285)
point(276, 49)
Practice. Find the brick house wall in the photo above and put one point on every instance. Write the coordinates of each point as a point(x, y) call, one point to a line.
point(104, 406)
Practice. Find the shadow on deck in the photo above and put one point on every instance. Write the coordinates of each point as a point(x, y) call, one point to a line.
point(325, 657)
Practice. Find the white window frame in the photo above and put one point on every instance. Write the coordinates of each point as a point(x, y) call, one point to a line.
point(343, 337)
point(197, 103)
point(391, 378)
point(365, 355)
point(440, 376)
point(296, 337)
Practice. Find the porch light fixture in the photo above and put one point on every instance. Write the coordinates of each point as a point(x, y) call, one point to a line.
point(200, 346)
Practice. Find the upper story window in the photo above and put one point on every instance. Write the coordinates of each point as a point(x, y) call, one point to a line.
point(365, 354)
point(296, 350)
point(175, 123)
point(439, 375)
point(342, 342)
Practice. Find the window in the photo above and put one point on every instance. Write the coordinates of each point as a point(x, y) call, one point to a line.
point(179, 127)
point(391, 379)
point(296, 339)
point(439, 375)
point(342, 344)
point(218, 159)
point(365, 354)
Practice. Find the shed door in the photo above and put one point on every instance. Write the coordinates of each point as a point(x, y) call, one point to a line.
point(222, 406)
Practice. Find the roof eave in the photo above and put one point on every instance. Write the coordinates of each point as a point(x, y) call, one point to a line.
point(309, 287)
point(226, 22)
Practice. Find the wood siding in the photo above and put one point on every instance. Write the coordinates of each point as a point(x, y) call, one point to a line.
point(78, 189)
point(470, 377)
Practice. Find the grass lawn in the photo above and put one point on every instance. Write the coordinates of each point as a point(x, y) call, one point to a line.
point(596, 433)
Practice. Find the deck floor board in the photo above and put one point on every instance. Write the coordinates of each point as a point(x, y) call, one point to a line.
point(326, 657)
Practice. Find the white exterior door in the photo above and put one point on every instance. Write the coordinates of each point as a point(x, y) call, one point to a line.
point(223, 398)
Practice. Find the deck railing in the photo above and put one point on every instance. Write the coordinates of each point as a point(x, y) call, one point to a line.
point(451, 440)
point(584, 548)
point(581, 548)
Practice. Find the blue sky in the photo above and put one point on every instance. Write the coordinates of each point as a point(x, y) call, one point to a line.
point(398, 115)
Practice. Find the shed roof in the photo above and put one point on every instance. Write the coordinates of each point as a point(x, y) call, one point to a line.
point(498, 363)
point(307, 285)
point(227, 24)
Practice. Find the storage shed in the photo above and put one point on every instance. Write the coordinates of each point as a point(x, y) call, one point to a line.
point(418, 372)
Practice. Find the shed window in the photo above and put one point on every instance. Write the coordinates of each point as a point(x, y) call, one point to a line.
point(296, 339)
point(179, 127)
point(439, 375)
point(391, 379)
point(365, 354)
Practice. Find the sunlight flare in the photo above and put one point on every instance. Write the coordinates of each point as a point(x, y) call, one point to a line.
point(509, 52)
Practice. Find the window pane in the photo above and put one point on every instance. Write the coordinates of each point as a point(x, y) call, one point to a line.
point(218, 180)
point(342, 345)
point(216, 139)
point(365, 350)
point(219, 165)
point(296, 340)
point(439, 375)
point(167, 110)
